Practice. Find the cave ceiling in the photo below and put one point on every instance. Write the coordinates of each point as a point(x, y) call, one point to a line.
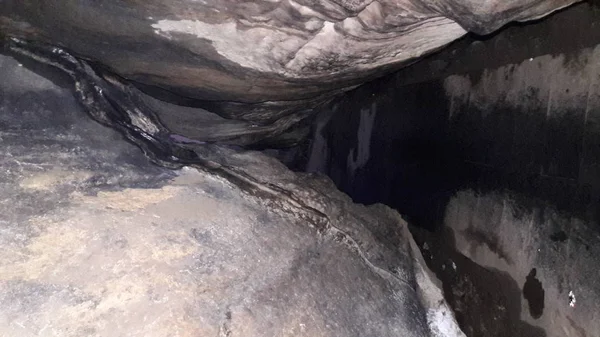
point(252, 70)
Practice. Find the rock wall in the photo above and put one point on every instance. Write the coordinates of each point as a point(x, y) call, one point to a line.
point(506, 157)
point(539, 121)
point(550, 254)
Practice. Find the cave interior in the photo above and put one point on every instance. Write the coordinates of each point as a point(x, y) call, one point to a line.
point(489, 148)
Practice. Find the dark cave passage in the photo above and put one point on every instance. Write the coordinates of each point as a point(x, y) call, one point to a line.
point(525, 119)
point(494, 158)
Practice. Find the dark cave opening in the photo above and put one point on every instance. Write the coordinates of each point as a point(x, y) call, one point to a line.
point(426, 143)
point(490, 150)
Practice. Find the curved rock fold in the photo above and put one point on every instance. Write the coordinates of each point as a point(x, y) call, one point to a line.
point(254, 61)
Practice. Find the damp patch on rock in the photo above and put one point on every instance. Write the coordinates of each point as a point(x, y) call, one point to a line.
point(533, 292)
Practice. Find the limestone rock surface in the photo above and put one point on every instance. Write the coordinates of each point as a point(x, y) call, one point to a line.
point(98, 241)
point(256, 61)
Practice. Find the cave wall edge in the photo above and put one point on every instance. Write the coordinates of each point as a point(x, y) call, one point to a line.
point(495, 142)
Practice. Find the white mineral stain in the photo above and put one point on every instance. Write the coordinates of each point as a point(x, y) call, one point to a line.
point(253, 47)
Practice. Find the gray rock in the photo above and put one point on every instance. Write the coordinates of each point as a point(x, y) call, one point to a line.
point(257, 61)
point(97, 241)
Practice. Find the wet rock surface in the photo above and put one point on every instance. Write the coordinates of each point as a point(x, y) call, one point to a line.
point(98, 241)
point(506, 157)
point(548, 272)
point(486, 301)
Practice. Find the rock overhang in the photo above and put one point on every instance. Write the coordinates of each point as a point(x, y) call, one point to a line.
point(258, 62)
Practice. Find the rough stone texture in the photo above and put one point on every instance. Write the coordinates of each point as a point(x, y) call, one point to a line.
point(257, 61)
point(97, 241)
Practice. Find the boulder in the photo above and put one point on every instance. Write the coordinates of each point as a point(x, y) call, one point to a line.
point(99, 241)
